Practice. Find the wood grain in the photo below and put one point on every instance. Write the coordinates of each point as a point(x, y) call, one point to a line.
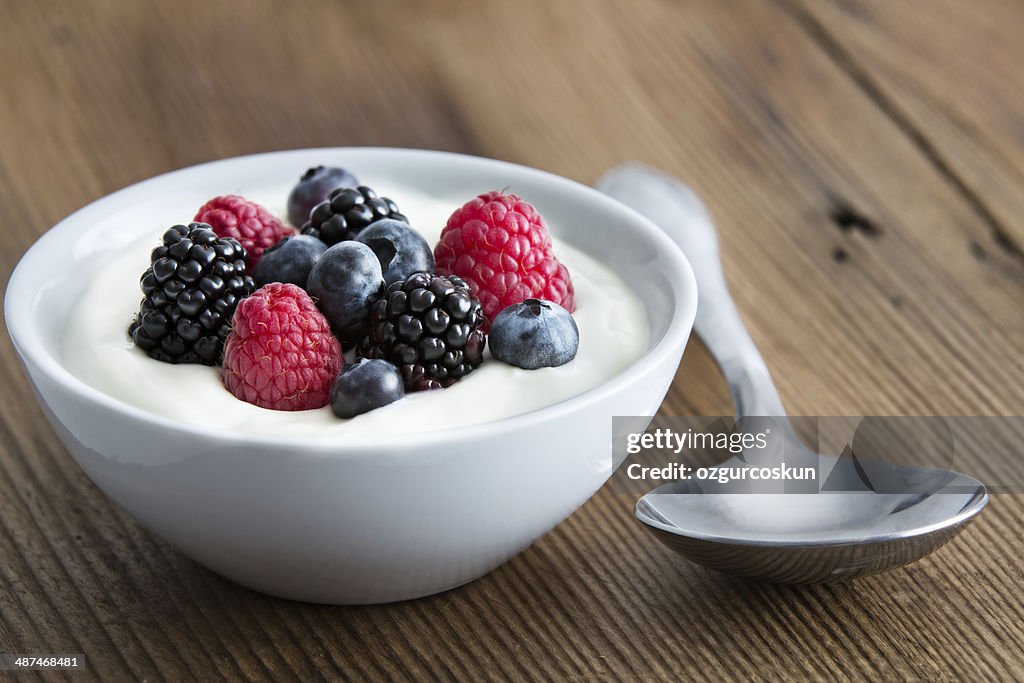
point(870, 219)
point(948, 77)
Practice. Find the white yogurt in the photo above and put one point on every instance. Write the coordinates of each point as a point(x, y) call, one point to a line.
point(96, 348)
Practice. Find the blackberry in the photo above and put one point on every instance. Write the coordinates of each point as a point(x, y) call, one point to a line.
point(346, 211)
point(194, 281)
point(429, 326)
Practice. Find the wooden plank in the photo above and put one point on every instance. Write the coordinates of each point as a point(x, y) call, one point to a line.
point(950, 74)
point(852, 255)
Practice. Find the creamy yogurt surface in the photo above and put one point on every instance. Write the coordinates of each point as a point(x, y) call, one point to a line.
point(96, 349)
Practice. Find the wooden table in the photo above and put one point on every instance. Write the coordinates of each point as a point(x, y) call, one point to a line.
point(864, 162)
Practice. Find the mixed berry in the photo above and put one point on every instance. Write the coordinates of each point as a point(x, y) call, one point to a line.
point(346, 211)
point(313, 188)
point(277, 309)
point(429, 327)
point(500, 245)
point(255, 228)
point(534, 334)
point(281, 353)
point(290, 260)
point(365, 385)
point(401, 250)
point(345, 282)
point(194, 282)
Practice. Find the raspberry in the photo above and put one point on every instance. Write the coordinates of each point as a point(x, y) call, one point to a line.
point(281, 354)
point(500, 246)
point(253, 226)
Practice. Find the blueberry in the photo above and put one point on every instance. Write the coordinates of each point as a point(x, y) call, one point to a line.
point(534, 334)
point(290, 260)
point(312, 189)
point(364, 386)
point(345, 281)
point(401, 250)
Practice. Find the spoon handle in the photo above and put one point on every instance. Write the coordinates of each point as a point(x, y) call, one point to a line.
point(680, 213)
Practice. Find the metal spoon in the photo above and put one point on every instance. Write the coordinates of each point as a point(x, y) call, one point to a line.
point(868, 517)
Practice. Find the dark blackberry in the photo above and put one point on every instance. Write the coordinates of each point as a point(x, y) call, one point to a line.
point(346, 211)
point(427, 325)
point(194, 281)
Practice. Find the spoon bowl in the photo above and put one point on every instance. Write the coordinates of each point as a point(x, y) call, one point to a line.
point(794, 538)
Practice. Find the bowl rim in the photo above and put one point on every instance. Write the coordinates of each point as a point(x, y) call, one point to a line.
point(25, 334)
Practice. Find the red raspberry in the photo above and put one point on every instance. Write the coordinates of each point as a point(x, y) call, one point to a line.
point(500, 245)
point(281, 353)
point(248, 222)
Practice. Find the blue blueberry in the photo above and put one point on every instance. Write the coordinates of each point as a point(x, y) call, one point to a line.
point(364, 386)
point(401, 250)
point(534, 334)
point(312, 189)
point(290, 260)
point(344, 282)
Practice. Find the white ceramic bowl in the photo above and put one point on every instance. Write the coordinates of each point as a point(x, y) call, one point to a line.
point(365, 520)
